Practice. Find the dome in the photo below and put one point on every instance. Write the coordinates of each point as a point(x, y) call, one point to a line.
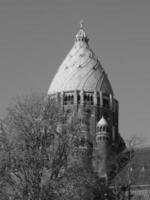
point(80, 70)
point(102, 122)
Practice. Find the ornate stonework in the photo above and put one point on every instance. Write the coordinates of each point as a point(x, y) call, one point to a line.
point(80, 70)
point(81, 88)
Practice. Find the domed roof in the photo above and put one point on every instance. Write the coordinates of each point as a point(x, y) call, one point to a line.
point(81, 70)
point(102, 122)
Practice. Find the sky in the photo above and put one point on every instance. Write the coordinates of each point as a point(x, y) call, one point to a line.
point(36, 35)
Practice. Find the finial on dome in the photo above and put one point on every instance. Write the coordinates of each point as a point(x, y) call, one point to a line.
point(81, 35)
point(81, 23)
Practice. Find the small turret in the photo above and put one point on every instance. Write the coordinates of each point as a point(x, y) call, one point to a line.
point(102, 130)
point(101, 149)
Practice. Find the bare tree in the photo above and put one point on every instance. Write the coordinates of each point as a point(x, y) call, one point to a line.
point(33, 150)
point(124, 179)
point(35, 144)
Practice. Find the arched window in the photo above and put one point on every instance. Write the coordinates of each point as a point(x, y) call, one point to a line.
point(68, 99)
point(78, 98)
point(98, 101)
point(88, 98)
point(105, 128)
point(106, 103)
point(91, 99)
point(65, 100)
point(72, 99)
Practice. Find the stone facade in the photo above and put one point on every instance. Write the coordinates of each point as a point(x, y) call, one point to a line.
point(81, 89)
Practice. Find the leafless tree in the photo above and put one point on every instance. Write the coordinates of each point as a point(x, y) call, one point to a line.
point(124, 178)
point(34, 145)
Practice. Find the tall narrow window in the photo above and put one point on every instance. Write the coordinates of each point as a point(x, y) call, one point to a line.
point(106, 103)
point(79, 98)
point(98, 101)
point(72, 99)
point(91, 100)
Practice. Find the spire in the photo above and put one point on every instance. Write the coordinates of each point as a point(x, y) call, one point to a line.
point(81, 23)
point(81, 35)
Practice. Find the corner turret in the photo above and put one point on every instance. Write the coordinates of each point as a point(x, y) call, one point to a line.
point(101, 149)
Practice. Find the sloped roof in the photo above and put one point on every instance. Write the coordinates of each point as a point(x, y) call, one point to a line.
point(80, 70)
point(102, 122)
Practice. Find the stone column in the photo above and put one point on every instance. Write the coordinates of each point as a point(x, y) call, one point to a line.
point(75, 97)
point(111, 101)
point(58, 98)
point(101, 99)
point(95, 98)
point(62, 100)
point(82, 97)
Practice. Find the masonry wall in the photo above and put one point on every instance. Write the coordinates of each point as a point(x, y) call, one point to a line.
point(89, 107)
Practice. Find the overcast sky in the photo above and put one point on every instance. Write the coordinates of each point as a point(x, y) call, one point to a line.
point(36, 35)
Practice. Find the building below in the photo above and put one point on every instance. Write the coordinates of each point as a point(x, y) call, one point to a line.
point(135, 176)
point(82, 90)
point(141, 192)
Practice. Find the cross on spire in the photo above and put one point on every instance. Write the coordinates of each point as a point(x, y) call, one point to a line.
point(81, 23)
point(81, 35)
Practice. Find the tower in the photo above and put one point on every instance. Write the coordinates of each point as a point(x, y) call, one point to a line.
point(82, 89)
point(101, 149)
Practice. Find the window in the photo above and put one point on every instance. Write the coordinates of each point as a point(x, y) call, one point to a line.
point(98, 101)
point(88, 99)
point(68, 99)
point(78, 98)
point(71, 99)
point(98, 138)
point(104, 128)
point(106, 103)
point(91, 100)
point(65, 100)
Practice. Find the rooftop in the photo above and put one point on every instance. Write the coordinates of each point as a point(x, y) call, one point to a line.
point(81, 69)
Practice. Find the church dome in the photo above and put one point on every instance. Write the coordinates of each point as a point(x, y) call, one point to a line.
point(80, 70)
point(102, 122)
